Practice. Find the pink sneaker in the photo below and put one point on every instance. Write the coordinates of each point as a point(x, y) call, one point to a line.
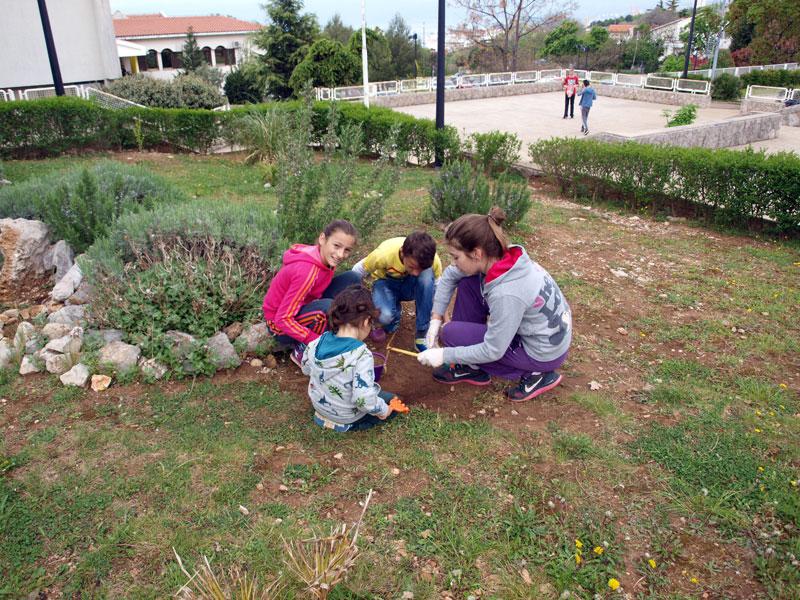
point(378, 335)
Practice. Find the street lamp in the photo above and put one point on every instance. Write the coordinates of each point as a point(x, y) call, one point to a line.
point(585, 58)
point(413, 36)
point(689, 42)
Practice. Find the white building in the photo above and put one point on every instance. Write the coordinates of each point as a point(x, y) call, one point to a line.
point(152, 43)
point(671, 32)
point(82, 33)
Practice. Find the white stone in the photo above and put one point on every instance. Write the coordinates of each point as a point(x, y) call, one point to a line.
point(25, 331)
point(56, 330)
point(107, 335)
point(59, 257)
point(222, 352)
point(28, 366)
point(100, 382)
point(253, 336)
point(7, 354)
point(120, 355)
point(68, 284)
point(77, 376)
point(150, 367)
point(71, 315)
point(23, 245)
point(55, 362)
point(65, 345)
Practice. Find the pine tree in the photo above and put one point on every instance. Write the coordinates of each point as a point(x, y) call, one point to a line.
point(192, 55)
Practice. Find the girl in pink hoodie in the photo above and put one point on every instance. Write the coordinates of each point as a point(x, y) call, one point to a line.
point(299, 296)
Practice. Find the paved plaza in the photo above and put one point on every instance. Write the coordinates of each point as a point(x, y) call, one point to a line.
point(539, 116)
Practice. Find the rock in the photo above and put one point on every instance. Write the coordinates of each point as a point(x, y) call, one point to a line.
point(82, 295)
point(222, 353)
point(68, 344)
point(182, 342)
point(59, 257)
point(25, 331)
point(100, 382)
point(7, 354)
point(23, 246)
point(56, 330)
point(253, 336)
point(71, 315)
point(150, 367)
point(55, 362)
point(120, 355)
point(29, 365)
point(271, 362)
point(256, 362)
point(11, 316)
point(77, 376)
point(67, 284)
point(233, 331)
point(106, 335)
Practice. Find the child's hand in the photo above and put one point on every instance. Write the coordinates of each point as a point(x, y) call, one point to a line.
point(432, 357)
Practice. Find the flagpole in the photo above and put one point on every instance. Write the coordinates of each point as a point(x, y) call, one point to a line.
point(364, 63)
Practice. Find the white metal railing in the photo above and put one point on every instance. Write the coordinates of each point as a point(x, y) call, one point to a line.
point(740, 70)
point(602, 77)
point(108, 100)
point(767, 93)
point(500, 78)
point(427, 84)
point(5, 97)
point(693, 86)
point(659, 83)
point(628, 80)
point(46, 92)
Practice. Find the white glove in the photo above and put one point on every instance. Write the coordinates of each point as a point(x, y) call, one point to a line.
point(432, 357)
point(432, 337)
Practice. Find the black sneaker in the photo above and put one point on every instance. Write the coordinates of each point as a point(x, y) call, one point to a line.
point(451, 374)
point(532, 385)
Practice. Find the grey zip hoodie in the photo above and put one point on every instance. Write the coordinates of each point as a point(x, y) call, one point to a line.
point(341, 382)
point(523, 300)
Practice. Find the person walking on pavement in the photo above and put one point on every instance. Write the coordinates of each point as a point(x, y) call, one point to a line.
point(570, 84)
point(588, 96)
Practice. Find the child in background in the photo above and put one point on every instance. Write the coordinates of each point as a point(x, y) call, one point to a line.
point(588, 96)
point(300, 294)
point(341, 369)
point(405, 268)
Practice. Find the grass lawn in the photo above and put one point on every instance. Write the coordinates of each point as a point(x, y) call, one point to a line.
point(668, 459)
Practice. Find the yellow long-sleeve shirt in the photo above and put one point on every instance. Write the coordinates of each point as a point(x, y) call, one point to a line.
point(385, 261)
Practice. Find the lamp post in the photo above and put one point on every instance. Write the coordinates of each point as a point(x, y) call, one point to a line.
point(440, 81)
point(689, 42)
point(413, 36)
point(364, 61)
point(51, 48)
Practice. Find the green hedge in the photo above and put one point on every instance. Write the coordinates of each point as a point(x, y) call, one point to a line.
point(725, 186)
point(52, 126)
point(772, 78)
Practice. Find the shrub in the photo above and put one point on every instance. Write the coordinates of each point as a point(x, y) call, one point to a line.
point(81, 204)
point(311, 192)
point(772, 78)
point(262, 133)
point(685, 115)
point(185, 91)
point(495, 151)
point(241, 87)
point(327, 63)
point(460, 190)
point(672, 63)
point(189, 267)
point(726, 87)
point(195, 92)
point(725, 186)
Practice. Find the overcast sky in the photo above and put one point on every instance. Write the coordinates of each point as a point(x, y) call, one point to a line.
point(416, 12)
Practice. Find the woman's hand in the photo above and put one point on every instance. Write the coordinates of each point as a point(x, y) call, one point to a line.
point(432, 337)
point(432, 357)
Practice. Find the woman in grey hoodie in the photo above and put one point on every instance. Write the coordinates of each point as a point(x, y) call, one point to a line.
point(510, 317)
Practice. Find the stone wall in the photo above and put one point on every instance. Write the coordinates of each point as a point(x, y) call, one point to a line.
point(497, 91)
point(732, 132)
point(749, 106)
point(791, 116)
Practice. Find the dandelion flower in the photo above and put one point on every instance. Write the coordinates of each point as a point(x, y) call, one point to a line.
point(578, 559)
point(761, 487)
point(578, 544)
point(598, 550)
point(613, 583)
point(783, 385)
point(760, 469)
point(757, 430)
point(694, 580)
point(758, 413)
point(794, 483)
point(652, 563)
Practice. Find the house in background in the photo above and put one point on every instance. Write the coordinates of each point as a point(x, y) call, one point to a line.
point(670, 34)
point(152, 44)
point(621, 31)
point(83, 36)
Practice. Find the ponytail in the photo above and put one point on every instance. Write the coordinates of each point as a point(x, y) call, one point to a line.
point(479, 231)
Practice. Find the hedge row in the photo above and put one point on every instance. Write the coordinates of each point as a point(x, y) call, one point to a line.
point(725, 186)
point(52, 126)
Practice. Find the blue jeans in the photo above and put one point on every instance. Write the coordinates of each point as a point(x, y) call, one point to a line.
point(389, 292)
point(320, 307)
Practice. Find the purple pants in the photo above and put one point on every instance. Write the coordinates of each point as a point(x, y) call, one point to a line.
point(468, 327)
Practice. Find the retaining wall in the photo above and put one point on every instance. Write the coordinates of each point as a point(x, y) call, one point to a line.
point(732, 132)
point(498, 91)
point(789, 114)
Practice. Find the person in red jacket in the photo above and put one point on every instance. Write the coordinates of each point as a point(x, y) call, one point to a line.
point(300, 294)
point(570, 84)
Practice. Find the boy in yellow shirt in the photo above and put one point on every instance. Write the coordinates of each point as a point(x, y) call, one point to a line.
point(404, 268)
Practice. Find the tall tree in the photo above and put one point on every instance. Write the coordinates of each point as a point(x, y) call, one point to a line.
point(192, 57)
point(707, 24)
point(673, 5)
point(501, 24)
point(401, 46)
point(378, 54)
point(328, 64)
point(336, 30)
point(563, 40)
point(772, 26)
point(284, 42)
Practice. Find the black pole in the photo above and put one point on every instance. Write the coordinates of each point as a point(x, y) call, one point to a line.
point(689, 42)
point(440, 82)
point(51, 49)
point(415, 56)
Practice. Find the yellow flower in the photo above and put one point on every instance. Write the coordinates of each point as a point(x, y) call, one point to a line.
point(783, 385)
point(749, 310)
point(613, 583)
point(652, 563)
point(760, 469)
point(578, 544)
point(757, 430)
point(578, 559)
point(598, 550)
point(794, 483)
point(761, 487)
point(694, 580)
point(758, 413)
point(643, 334)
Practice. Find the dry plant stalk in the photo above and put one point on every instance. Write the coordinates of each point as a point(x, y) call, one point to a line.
point(235, 585)
point(322, 562)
